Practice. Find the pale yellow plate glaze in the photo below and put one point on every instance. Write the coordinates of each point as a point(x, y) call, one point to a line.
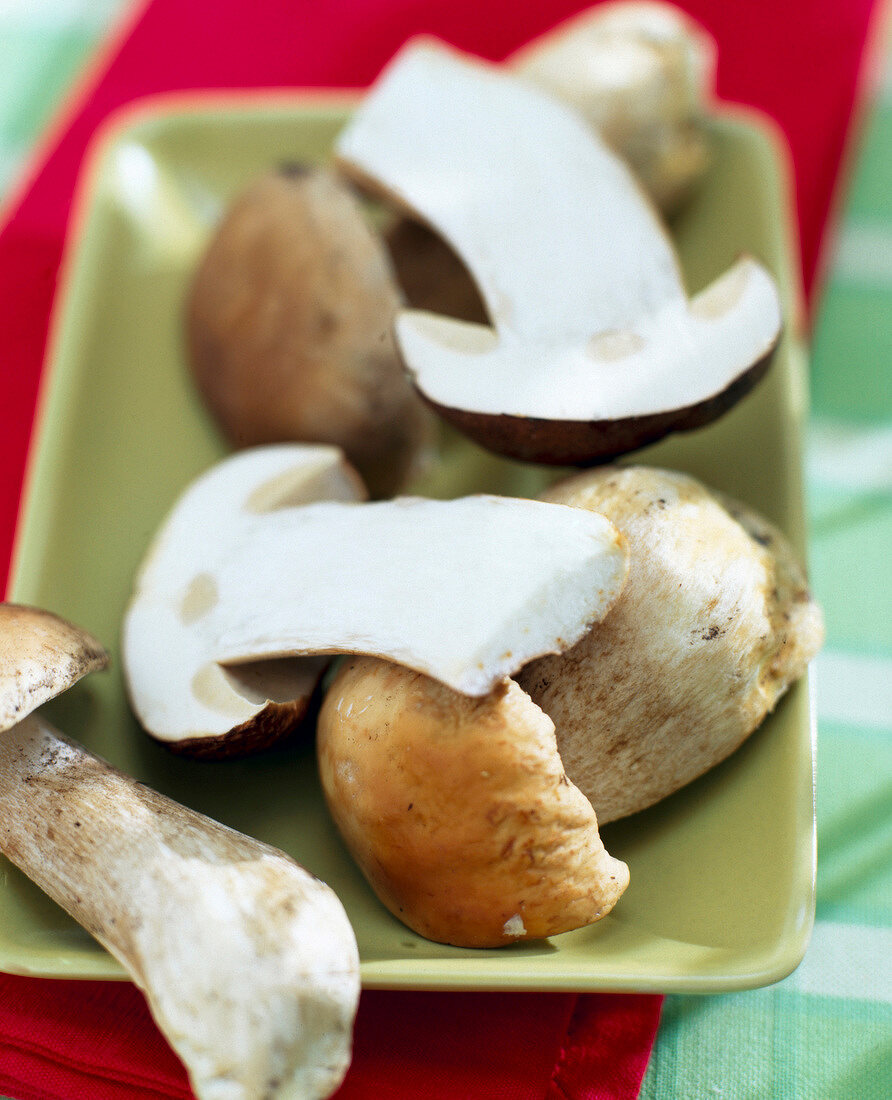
point(722, 889)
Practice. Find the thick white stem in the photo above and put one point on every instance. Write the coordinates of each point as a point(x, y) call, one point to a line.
point(248, 961)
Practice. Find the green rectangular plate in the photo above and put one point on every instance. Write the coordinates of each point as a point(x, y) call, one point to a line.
point(722, 890)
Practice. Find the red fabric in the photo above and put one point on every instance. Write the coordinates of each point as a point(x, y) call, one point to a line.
point(797, 60)
point(96, 1041)
point(603, 1056)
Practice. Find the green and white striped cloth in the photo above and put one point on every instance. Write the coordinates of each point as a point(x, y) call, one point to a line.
point(826, 1031)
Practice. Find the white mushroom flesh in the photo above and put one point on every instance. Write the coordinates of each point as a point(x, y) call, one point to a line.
point(466, 591)
point(591, 320)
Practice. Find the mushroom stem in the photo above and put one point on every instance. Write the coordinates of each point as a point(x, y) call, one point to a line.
point(248, 962)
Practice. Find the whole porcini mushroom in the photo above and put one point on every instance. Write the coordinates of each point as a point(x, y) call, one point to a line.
point(458, 810)
point(641, 74)
point(245, 571)
point(289, 328)
point(595, 348)
point(714, 624)
point(248, 962)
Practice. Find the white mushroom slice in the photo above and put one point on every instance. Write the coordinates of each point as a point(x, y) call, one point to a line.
point(595, 348)
point(241, 710)
point(466, 591)
point(248, 962)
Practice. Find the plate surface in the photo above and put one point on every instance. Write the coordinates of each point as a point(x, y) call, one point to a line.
point(722, 890)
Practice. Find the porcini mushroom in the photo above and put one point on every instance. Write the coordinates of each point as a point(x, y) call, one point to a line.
point(458, 810)
point(714, 624)
point(641, 74)
point(289, 328)
point(466, 591)
point(248, 962)
point(595, 348)
point(185, 699)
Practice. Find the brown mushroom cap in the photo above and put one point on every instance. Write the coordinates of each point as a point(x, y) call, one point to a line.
point(41, 656)
point(590, 442)
point(458, 810)
point(713, 626)
point(289, 328)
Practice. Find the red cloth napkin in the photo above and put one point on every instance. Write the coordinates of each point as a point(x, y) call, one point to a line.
point(798, 61)
point(96, 1041)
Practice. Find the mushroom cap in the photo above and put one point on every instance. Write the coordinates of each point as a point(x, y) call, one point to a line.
point(41, 655)
point(458, 810)
point(431, 276)
point(289, 328)
point(713, 625)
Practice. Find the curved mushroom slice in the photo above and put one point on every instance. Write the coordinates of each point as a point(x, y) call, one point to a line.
point(248, 961)
point(595, 348)
point(458, 810)
point(713, 626)
point(41, 656)
point(641, 74)
point(466, 591)
point(182, 697)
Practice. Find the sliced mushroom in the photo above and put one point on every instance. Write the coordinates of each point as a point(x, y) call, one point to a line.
point(466, 591)
point(458, 810)
point(248, 962)
point(642, 75)
point(184, 699)
point(289, 327)
point(596, 348)
point(713, 626)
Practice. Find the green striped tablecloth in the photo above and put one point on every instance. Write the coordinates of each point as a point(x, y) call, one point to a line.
point(825, 1032)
